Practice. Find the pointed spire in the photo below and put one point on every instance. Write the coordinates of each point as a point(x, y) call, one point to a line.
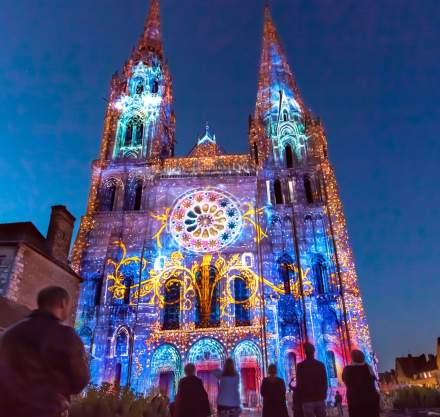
point(275, 75)
point(152, 36)
point(208, 136)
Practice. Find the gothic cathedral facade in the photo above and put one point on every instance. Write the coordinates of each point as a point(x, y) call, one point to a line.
point(213, 255)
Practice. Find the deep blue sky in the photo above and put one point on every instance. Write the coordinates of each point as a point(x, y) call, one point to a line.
point(370, 69)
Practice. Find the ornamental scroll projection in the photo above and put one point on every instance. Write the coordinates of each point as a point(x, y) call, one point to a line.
point(198, 283)
point(138, 109)
point(194, 230)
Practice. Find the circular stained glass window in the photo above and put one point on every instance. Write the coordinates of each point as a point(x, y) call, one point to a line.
point(205, 220)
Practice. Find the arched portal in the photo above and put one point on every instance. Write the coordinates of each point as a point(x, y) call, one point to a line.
point(248, 360)
point(207, 354)
point(166, 369)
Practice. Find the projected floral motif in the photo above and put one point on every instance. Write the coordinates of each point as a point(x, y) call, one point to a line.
point(205, 221)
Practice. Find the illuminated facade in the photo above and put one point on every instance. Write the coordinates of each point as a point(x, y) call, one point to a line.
point(197, 258)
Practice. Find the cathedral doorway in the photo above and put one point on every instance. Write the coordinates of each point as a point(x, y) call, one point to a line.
point(166, 368)
point(207, 355)
point(166, 384)
point(248, 360)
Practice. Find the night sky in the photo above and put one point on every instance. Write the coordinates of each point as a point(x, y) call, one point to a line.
point(370, 69)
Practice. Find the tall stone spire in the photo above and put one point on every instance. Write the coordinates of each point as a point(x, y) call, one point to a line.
point(275, 75)
point(151, 39)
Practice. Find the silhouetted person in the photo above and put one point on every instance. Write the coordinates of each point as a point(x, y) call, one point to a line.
point(191, 399)
point(228, 399)
point(338, 403)
point(273, 391)
point(362, 396)
point(42, 362)
point(312, 384)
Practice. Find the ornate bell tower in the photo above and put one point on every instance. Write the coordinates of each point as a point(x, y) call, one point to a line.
point(305, 219)
point(140, 120)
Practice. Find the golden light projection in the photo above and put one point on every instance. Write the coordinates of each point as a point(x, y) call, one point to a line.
point(198, 282)
point(206, 228)
point(163, 218)
point(117, 277)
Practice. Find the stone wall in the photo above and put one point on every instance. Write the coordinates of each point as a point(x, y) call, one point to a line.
point(7, 254)
point(31, 272)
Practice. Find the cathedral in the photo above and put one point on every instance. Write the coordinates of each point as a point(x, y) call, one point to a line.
point(212, 255)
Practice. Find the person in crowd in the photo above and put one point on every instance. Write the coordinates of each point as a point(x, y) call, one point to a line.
point(228, 399)
point(42, 361)
point(191, 399)
point(312, 383)
point(362, 396)
point(296, 401)
point(338, 404)
point(273, 391)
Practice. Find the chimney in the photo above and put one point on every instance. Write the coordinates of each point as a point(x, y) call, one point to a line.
point(59, 234)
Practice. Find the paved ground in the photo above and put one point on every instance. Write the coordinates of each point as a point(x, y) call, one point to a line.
point(258, 414)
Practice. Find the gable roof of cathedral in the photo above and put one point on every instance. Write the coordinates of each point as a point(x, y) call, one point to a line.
point(206, 145)
point(275, 74)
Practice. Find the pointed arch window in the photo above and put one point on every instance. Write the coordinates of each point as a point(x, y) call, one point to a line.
point(138, 196)
point(108, 197)
point(155, 87)
point(121, 348)
point(128, 134)
point(241, 295)
point(285, 116)
point(285, 268)
point(321, 274)
point(289, 156)
point(207, 303)
point(331, 364)
point(308, 189)
point(139, 133)
point(278, 192)
point(171, 315)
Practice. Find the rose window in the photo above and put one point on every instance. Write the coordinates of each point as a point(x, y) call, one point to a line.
point(205, 221)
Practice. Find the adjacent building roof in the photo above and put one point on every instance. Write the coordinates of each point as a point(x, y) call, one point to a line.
point(27, 233)
point(411, 365)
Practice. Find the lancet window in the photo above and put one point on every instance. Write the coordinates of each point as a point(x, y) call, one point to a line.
point(133, 195)
point(321, 274)
point(242, 312)
point(122, 341)
point(108, 197)
point(278, 192)
point(171, 315)
point(207, 298)
point(308, 189)
point(285, 267)
point(289, 156)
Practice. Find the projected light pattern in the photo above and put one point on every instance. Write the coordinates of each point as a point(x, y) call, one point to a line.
point(213, 255)
point(205, 221)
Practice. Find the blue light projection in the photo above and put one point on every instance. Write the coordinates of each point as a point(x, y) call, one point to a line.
point(209, 256)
